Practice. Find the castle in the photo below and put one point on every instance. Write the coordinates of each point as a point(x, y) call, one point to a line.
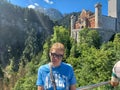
point(107, 26)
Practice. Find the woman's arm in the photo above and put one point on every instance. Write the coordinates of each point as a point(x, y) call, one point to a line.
point(73, 87)
point(40, 88)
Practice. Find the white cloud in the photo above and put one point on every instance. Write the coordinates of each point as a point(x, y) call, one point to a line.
point(48, 1)
point(31, 6)
point(36, 4)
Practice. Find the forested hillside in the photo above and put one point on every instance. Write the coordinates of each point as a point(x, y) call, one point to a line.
point(22, 34)
point(65, 21)
point(16, 26)
point(25, 39)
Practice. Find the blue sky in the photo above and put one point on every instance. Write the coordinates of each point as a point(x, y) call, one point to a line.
point(65, 6)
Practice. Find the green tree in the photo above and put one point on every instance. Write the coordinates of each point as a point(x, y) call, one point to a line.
point(27, 83)
point(91, 37)
point(45, 54)
point(116, 43)
point(1, 73)
point(31, 47)
point(92, 66)
point(62, 35)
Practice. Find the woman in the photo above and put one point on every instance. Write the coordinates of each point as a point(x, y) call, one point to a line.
point(56, 75)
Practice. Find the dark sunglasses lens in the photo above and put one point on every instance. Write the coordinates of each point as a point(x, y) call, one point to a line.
point(56, 55)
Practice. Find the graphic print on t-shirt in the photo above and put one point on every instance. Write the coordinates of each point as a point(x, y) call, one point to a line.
point(60, 80)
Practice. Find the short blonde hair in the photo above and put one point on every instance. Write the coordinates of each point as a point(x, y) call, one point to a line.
point(57, 46)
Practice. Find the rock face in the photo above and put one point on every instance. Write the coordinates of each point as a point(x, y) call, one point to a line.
point(53, 14)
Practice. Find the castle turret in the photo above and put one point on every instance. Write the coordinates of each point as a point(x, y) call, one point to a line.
point(98, 15)
point(114, 8)
point(72, 23)
point(114, 11)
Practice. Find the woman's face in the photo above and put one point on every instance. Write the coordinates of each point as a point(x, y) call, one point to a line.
point(56, 57)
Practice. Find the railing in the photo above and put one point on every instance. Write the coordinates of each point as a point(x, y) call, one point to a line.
point(93, 86)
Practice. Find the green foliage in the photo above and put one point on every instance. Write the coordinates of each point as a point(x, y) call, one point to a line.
point(1, 73)
point(93, 66)
point(92, 62)
point(11, 68)
point(27, 83)
point(45, 54)
point(91, 37)
point(31, 47)
point(6, 81)
point(21, 42)
point(62, 35)
point(116, 43)
point(14, 34)
point(75, 51)
point(31, 69)
point(65, 21)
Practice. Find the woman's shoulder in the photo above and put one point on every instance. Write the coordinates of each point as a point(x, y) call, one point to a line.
point(44, 67)
point(66, 65)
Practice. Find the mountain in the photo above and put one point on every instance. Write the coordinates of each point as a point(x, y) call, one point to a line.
point(65, 21)
point(15, 25)
point(37, 7)
point(53, 14)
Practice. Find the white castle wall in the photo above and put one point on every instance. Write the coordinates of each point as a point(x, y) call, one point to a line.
point(109, 23)
point(105, 36)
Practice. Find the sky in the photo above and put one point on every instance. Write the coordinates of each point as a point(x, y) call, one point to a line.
point(65, 6)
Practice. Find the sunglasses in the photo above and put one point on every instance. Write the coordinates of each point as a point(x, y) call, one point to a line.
point(56, 55)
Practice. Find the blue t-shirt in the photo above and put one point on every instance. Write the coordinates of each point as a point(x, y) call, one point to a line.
point(63, 74)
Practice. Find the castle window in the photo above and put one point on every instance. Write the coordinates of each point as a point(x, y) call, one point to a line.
point(82, 26)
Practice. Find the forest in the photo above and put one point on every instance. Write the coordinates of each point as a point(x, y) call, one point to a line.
point(91, 60)
point(25, 47)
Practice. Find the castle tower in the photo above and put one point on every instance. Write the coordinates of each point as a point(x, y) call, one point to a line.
point(72, 24)
point(114, 11)
point(98, 15)
point(114, 8)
